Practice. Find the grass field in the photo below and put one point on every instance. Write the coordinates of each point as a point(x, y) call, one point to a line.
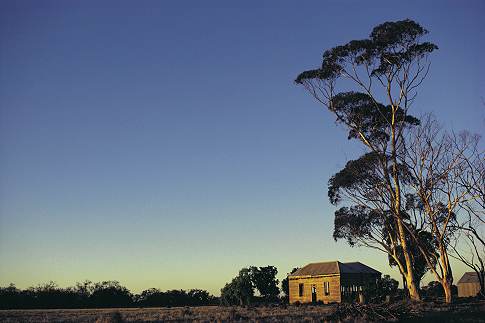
point(177, 314)
point(474, 312)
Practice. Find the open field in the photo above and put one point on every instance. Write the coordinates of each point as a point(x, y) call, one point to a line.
point(176, 314)
point(427, 312)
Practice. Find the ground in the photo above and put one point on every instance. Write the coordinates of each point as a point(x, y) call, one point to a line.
point(403, 312)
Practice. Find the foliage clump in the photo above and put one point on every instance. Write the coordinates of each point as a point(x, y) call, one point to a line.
point(241, 290)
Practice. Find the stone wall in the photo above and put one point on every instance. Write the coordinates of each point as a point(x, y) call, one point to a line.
point(317, 281)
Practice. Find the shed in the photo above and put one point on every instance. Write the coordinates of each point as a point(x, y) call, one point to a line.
point(468, 285)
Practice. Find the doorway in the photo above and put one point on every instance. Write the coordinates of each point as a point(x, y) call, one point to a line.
point(314, 294)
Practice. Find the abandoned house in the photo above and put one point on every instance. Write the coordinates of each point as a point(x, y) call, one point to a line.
point(468, 285)
point(330, 282)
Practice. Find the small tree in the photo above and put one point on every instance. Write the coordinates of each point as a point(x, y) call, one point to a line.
point(469, 245)
point(110, 294)
point(386, 286)
point(10, 297)
point(436, 162)
point(239, 291)
point(264, 279)
point(285, 286)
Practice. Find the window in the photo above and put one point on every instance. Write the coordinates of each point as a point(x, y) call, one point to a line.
point(300, 290)
point(326, 288)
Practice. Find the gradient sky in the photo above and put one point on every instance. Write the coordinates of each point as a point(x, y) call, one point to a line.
point(164, 143)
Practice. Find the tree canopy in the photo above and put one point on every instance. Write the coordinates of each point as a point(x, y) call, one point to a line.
point(383, 73)
point(241, 290)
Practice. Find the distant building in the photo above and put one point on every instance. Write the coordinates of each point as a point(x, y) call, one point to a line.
point(468, 285)
point(330, 282)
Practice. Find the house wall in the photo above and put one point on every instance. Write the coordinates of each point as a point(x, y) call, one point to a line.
point(468, 289)
point(318, 281)
point(352, 284)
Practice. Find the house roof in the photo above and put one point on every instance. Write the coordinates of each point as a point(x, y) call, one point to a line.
point(356, 267)
point(469, 277)
point(334, 267)
point(318, 268)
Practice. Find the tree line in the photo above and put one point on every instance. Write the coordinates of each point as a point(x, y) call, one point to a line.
point(251, 286)
point(417, 193)
point(106, 294)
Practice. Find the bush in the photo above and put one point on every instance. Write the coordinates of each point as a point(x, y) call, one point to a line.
point(377, 293)
point(95, 295)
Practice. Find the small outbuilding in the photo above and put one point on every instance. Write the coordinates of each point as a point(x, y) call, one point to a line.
point(330, 282)
point(468, 285)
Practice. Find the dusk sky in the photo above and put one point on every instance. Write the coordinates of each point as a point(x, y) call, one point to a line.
point(165, 144)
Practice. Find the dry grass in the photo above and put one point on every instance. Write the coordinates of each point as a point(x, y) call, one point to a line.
point(471, 312)
point(176, 314)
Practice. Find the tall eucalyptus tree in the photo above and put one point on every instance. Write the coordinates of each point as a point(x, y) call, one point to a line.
point(383, 73)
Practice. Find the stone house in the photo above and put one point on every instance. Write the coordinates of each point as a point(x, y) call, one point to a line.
point(330, 282)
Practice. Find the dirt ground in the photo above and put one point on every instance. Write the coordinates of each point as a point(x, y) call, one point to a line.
point(399, 312)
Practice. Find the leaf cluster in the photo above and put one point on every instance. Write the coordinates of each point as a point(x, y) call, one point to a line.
point(389, 45)
point(359, 173)
point(363, 115)
point(356, 223)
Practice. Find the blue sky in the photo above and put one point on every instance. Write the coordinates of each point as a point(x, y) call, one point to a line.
point(164, 144)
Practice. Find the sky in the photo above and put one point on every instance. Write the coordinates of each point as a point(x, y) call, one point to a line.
point(165, 144)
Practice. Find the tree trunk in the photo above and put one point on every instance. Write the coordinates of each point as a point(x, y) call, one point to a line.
point(405, 285)
point(410, 280)
point(481, 279)
point(447, 277)
point(409, 274)
point(447, 288)
point(412, 289)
